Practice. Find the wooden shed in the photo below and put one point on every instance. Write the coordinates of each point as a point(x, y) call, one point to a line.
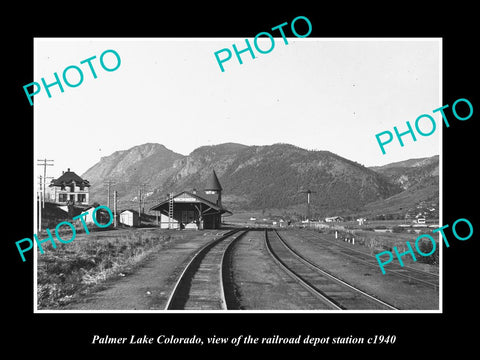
point(129, 217)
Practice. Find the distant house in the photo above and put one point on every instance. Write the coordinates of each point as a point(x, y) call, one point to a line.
point(361, 221)
point(102, 216)
point(69, 189)
point(334, 219)
point(129, 217)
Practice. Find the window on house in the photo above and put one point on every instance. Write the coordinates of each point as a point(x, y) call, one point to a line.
point(62, 197)
point(81, 197)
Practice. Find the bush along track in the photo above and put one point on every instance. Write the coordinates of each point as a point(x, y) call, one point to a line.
point(73, 271)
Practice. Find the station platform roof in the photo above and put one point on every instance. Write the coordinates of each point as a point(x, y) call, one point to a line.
point(187, 197)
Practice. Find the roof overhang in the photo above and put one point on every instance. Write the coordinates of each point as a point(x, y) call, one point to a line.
point(186, 197)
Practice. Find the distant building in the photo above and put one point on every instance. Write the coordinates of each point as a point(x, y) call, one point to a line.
point(361, 221)
point(69, 189)
point(421, 220)
point(101, 216)
point(334, 219)
point(129, 217)
point(193, 209)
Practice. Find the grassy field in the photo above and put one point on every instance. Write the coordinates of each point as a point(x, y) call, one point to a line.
point(376, 242)
point(88, 261)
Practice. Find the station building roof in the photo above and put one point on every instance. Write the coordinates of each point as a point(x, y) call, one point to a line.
point(213, 183)
point(187, 197)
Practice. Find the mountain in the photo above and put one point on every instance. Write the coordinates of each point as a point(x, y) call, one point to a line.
point(410, 172)
point(419, 179)
point(128, 169)
point(253, 177)
point(264, 177)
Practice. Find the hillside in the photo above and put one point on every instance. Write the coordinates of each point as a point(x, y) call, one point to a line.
point(253, 177)
point(410, 172)
point(128, 169)
point(419, 179)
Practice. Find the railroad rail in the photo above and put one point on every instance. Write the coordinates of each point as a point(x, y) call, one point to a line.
point(201, 285)
point(394, 269)
point(334, 292)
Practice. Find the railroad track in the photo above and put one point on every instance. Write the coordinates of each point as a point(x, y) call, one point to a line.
point(331, 290)
point(202, 284)
point(393, 269)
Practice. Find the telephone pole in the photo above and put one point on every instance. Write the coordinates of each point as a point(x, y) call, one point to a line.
point(114, 208)
point(140, 194)
point(44, 163)
point(39, 208)
point(141, 191)
point(108, 183)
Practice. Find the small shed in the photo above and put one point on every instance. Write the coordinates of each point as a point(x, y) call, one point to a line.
point(101, 216)
point(129, 217)
point(421, 220)
point(334, 219)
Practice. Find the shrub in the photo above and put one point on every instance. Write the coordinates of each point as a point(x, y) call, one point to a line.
point(425, 247)
point(398, 229)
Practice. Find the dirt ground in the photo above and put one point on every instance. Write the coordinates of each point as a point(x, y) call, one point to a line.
point(399, 292)
point(261, 284)
point(148, 286)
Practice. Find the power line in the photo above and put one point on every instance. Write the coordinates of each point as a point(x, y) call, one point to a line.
point(44, 164)
point(140, 195)
point(108, 183)
point(114, 208)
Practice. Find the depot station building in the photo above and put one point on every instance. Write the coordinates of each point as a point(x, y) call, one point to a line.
point(193, 209)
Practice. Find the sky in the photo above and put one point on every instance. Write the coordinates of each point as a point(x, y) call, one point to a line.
point(330, 94)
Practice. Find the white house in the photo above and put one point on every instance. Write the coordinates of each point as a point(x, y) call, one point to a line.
point(69, 189)
point(129, 217)
point(333, 219)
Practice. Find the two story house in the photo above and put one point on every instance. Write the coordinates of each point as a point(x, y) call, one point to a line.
point(69, 189)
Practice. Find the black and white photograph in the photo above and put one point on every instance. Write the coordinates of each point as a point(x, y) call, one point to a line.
point(296, 181)
point(259, 187)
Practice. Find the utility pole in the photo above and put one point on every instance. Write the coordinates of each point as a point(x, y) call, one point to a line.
point(39, 208)
point(44, 164)
point(139, 206)
point(114, 208)
point(108, 183)
point(40, 192)
point(141, 186)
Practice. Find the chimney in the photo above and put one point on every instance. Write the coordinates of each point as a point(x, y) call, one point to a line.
point(68, 169)
point(194, 191)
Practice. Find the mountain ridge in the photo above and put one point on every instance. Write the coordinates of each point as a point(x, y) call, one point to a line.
point(260, 177)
